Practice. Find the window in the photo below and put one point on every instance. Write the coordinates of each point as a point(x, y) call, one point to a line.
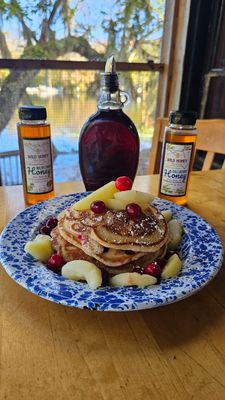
point(53, 56)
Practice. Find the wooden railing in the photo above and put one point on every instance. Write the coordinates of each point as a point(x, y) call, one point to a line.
point(77, 65)
point(9, 161)
point(10, 168)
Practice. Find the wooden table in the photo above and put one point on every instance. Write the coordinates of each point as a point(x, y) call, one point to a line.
point(49, 351)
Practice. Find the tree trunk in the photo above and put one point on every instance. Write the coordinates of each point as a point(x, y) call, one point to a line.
point(4, 47)
point(12, 92)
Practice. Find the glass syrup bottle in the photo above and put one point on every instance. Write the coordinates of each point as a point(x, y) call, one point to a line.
point(34, 137)
point(109, 141)
point(177, 156)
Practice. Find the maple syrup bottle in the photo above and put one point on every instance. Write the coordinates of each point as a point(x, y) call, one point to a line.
point(109, 141)
point(177, 156)
point(34, 138)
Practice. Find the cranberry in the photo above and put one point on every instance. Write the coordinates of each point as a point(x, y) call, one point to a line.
point(138, 269)
point(153, 269)
point(133, 210)
point(98, 207)
point(55, 262)
point(123, 183)
point(51, 223)
point(45, 230)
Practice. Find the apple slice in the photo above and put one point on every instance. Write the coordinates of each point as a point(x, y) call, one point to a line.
point(167, 215)
point(172, 267)
point(134, 196)
point(40, 248)
point(102, 194)
point(83, 270)
point(175, 234)
point(132, 278)
point(41, 237)
point(115, 204)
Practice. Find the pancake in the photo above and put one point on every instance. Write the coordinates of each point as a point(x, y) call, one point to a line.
point(76, 228)
point(113, 239)
point(147, 233)
point(70, 252)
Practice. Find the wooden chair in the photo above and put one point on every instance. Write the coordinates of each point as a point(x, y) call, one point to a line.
point(211, 139)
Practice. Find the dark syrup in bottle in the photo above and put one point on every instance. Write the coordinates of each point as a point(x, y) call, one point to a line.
point(109, 141)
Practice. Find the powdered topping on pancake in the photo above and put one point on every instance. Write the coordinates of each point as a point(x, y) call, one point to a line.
point(147, 233)
point(120, 223)
point(87, 217)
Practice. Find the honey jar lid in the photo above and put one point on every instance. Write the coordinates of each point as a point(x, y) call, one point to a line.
point(32, 113)
point(183, 117)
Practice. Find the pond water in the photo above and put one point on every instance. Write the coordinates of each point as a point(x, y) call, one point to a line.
point(67, 115)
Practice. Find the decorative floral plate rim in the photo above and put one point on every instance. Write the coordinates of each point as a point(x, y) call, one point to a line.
point(201, 251)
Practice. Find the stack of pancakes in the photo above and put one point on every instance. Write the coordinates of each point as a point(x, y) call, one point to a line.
point(112, 241)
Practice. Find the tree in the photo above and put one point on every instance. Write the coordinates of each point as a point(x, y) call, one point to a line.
point(131, 28)
point(37, 45)
point(128, 31)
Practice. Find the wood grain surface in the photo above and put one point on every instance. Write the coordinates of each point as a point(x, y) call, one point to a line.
point(48, 351)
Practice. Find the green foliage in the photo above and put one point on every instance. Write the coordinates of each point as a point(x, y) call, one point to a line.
point(43, 6)
point(11, 8)
point(134, 28)
point(2, 6)
point(35, 52)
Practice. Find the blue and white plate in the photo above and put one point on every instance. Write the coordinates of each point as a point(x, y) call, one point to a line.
point(201, 252)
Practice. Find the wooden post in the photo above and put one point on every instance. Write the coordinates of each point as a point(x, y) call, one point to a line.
point(172, 55)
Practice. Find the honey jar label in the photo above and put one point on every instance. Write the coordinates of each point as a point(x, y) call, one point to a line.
point(38, 165)
point(175, 169)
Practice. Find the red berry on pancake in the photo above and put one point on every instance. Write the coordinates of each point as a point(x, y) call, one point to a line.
point(133, 210)
point(98, 207)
